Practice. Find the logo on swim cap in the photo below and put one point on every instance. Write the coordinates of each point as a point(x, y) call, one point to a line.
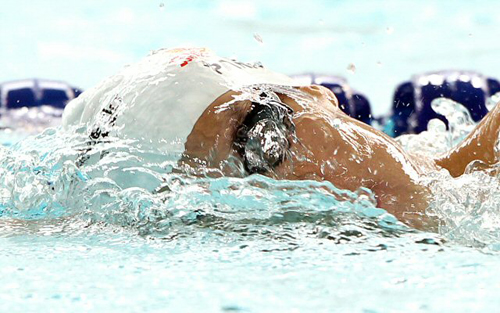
point(183, 56)
point(221, 65)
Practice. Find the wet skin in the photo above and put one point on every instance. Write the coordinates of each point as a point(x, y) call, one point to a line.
point(329, 145)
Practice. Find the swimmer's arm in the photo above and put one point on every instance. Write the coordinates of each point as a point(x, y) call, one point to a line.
point(358, 155)
point(408, 201)
point(323, 154)
point(479, 145)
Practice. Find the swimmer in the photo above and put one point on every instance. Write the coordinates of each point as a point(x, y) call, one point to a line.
point(272, 126)
point(321, 142)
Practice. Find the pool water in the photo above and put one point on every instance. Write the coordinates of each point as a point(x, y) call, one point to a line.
point(109, 269)
point(94, 234)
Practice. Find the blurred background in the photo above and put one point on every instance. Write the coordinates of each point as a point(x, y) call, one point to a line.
point(375, 45)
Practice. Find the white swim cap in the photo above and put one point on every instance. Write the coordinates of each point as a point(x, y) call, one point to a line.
point(161, 97)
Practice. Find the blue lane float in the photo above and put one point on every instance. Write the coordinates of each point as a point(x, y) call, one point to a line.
point(28, 106)
point(36, 92)
point(411, 108)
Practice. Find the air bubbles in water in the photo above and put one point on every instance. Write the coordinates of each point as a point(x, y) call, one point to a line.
point(379, 64)
point(351, 68)
point(389, 30)
point(258, 38)
point(162, 6)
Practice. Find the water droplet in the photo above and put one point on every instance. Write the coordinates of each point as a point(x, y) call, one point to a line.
point(470, 34)
point(351, 68)
point(379, 64)
point(258, 38)
point(321, 22)
point(389, 30)
point(162, 6)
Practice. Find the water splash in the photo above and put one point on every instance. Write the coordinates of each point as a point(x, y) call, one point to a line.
point(437, 139)
point(459, 119)
point(468, 207)
point(126, 185)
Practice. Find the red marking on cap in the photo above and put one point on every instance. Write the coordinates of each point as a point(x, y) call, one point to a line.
point(188, 59)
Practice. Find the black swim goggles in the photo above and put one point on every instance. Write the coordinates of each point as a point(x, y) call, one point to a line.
point(263, 139)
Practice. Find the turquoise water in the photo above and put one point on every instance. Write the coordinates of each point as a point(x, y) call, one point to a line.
point(94, 235)
point(210, 271)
